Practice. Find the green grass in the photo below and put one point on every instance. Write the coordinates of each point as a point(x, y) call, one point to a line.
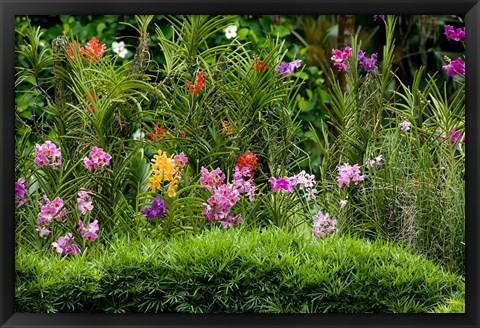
point(236, 271)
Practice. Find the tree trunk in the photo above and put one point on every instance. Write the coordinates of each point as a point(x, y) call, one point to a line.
point(346, 29)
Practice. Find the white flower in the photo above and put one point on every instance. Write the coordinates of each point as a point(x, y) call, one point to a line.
point(119, 48)
point(138, 135)
point(231, 31)
point(304, 180)
point(310, 194)
point(370, 164)
point(378, 161)
point(343, 202)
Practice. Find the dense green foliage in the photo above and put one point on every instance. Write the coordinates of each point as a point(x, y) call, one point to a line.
point(234, 271)
point(385, 147)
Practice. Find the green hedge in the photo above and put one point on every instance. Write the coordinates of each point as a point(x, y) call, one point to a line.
point(234, 271)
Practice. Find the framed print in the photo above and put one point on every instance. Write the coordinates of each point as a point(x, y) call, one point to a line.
point(204, 163)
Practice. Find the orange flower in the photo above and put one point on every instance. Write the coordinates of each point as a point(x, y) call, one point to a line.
point(199, 83)
point(74, 47)
point(191, 87)
point(93, 51)
point(172, 188)
point(200, 80)
point(164, 169)
point(227, 129)
point(159, 132)
point(248, 159)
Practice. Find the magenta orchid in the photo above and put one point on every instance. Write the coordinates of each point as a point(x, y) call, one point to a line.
point(42, 231)
point(20, 194)
point(285, 184)
point(405, 126)
point(377, 162)
point(224, 196)
point(219, 205)
point(453, 136)
point(46, 153)
point(211, 180)
point(50, 210)
point(285, 69)
point(89, 233)
point(369, 65)
point(97, 159)
point(348, 174)
point(340, 58)
point(84, 203)
point(243, 182)
point(180, 160)
point(63, 245)
point(454, 67)
point(454, 34)
point(156, 210)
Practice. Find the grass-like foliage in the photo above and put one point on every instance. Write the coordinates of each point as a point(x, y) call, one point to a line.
point(414, 193)
point(240, 108)
point(236, 271)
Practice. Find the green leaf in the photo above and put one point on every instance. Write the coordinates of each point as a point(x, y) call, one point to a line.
point(302, 75)
point(26, 114)
point(309, 93)
point(100, 28)
point(66, 28)
point(242, 33)
point(254, 36)
point(281, 31)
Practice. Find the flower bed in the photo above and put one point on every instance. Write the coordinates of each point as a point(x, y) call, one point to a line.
point(153, 183)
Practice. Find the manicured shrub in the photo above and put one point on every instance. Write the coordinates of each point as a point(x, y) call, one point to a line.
point(456, 304)
point(235, 271)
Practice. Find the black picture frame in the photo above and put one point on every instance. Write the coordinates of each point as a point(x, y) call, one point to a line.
point(10, 8)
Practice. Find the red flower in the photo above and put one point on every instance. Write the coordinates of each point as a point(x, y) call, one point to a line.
point(75, 47)
point(182, 133)
point(248, 159)
point(192, 88)
point(259, 66)
point(93, 51)
point(199, 83)
point(200, 80)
